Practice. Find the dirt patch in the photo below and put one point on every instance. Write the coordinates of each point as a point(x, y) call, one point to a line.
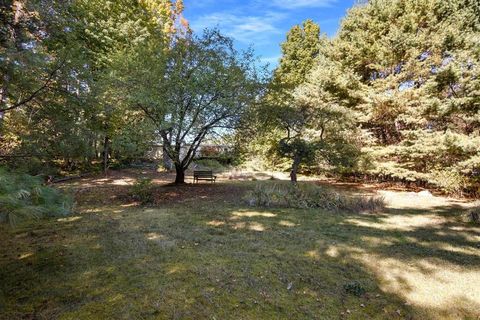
point(188, 192)
point(115, 189)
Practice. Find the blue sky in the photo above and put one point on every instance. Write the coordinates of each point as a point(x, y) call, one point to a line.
point(264, 23)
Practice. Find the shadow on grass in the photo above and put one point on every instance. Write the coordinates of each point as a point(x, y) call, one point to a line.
point(210, 257)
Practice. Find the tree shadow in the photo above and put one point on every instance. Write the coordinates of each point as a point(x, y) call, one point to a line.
point(210, 256)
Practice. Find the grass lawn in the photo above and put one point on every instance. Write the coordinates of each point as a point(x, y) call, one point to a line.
point(202, 253)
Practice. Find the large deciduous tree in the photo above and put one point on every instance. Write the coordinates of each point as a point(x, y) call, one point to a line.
point(191, 88)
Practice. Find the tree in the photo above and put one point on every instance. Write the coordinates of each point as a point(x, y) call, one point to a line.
point(28, 69)
point(281, 116)
point(109, 28)
point(191, 89)
point(420, 62)
point(55, 55)
point(322, 128)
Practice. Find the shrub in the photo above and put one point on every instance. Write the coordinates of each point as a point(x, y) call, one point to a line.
point(474, 215)
point(355, 288)
point(266, 195)
point(23, 196)
point(449, 181)
point(142, 190)
point(304, 196)
point(211, 164)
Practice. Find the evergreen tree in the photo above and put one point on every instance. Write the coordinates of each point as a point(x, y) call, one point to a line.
point(420, 61)
point(280, 117)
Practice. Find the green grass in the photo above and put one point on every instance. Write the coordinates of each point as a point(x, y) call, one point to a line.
point(212, 257)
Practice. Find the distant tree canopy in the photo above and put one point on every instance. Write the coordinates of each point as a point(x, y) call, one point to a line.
point(400, 82)
point(394, 96)
point(55, 108)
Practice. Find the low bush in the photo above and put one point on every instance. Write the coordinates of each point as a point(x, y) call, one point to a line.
point(449, 181)
point(354, 288)
point(211, 164)
point(23, 197)
point(474, 215)
point(310, 196)
point(142, 190)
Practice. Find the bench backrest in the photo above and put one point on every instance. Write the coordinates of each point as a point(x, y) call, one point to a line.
point(202, 173)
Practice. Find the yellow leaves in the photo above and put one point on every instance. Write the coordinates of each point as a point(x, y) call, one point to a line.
point(179, 7)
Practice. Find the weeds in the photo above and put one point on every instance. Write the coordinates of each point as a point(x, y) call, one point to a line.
point(305, 196)
point(354, 288)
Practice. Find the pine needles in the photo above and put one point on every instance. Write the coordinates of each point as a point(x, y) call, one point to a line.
point(24, 197)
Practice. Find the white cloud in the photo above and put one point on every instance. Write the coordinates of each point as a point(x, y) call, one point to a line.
point(244, 28)
point(271, 60)
point(295, 4)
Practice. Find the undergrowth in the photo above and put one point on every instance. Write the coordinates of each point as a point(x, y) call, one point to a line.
point(142, 190)
point(303, 196)
point(474, 215)
point(24, 197)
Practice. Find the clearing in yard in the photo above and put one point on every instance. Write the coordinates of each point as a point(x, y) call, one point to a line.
point(200, 252)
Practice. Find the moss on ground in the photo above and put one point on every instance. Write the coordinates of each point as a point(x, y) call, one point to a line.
point(218, 259)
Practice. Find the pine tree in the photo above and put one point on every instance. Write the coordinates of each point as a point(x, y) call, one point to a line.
point(282, 119)
point(420, 61)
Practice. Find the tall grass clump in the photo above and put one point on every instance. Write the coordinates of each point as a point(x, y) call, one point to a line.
point(303, 196)
point(24, 197)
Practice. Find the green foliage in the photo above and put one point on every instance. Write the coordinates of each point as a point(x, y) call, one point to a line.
point(450, 181)
point(211, 164)
point(219, 81)
point(54, 60)
point(308, 111)
point(24, 197)
point(276, 122)
point(355, 288)
point(418, 64)
point(142, 190)
point(307, 195)
point(299, 51)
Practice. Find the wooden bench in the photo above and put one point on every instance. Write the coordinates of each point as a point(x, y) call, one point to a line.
point(203, 175)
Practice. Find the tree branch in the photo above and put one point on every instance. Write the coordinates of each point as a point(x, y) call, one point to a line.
point(36, 92)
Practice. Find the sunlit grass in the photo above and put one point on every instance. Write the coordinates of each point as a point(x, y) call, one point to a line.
point(219, 259)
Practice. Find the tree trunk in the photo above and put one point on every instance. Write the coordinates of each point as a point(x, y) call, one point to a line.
point(295, 166)
point(3, 97)
point(167, 162)
point(106, 147)
point(180, 177)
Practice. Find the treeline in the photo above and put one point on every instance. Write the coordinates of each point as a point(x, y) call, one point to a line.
point(58, 110)
point(394, 96)
point(86, 83)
